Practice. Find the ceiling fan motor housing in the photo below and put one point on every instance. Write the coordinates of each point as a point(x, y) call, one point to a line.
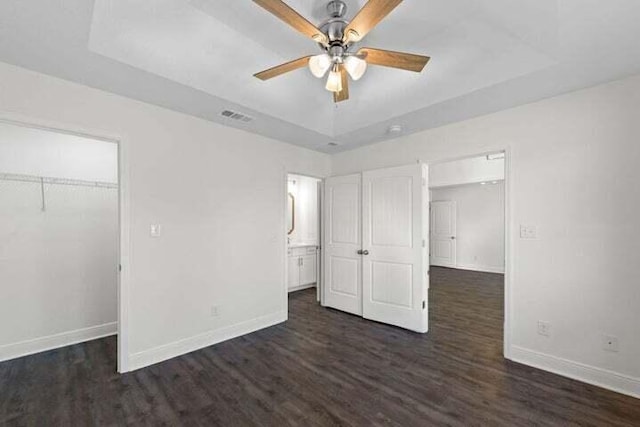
point(335, 25)
point(336, 8)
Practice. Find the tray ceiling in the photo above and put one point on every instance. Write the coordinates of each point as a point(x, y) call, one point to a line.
point(485, 56)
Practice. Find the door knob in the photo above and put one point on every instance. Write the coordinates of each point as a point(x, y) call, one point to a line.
point(361, 252)
point(453, 237)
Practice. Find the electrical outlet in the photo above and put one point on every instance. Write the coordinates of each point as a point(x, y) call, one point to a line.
point(544, 328)
point(610, 343)
point(215, 311)
point(528, 232)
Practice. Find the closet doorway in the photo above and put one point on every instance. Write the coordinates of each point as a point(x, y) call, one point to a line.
point(59, 239)
point(375, 244)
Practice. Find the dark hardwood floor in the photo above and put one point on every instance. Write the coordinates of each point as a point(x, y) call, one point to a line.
point(322, 367)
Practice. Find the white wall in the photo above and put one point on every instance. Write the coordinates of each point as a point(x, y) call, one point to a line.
point(57, 266)
point(305, 191)
point(218, 194)
point(30, 151)
point(466, 171)
point(574, 174)
point(480, 225)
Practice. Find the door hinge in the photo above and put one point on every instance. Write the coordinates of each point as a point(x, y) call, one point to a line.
point(424, 305)
point(119, 267)
point(424, 243)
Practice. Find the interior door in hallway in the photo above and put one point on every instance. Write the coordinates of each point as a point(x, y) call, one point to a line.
point(395, 237)
point(443, 234)
point(342, 243)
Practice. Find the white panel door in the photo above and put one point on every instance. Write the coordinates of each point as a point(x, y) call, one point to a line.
point(343, 239)
point(443, 234)
point(394, 237)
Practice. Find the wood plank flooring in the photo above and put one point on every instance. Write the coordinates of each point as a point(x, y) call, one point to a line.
point(322, 367)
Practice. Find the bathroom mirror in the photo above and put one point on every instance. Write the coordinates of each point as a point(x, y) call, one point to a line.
point(291, 215)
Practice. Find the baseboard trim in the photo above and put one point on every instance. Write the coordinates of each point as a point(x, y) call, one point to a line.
point(481, 268)
point(578, 371)
point(301, 288)
point(51, 342)
point(178, 348)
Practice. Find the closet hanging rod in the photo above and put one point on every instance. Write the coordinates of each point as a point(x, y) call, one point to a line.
point(55, 181)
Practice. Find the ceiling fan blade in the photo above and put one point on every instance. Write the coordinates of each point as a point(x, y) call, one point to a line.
point(369, 16)
point(293, 18)
point(283, 68)
point(343, 95)
point(388, 58)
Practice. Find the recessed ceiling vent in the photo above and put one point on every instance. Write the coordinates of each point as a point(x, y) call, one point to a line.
point(236, 116)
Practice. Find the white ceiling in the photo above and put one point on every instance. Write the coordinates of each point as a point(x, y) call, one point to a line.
point(198, 56)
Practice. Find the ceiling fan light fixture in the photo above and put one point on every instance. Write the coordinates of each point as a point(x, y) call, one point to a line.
point(319, 38)
point(352, 36)
point(319, 65)
point(334, 82)
point(355, 66)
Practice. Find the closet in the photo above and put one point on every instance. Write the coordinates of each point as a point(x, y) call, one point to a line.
point(58, 239)
point(375, 251)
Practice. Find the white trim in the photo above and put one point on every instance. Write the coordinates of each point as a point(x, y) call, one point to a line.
point(322, 240)
point(578, 371)
point(51, 342)
point(301, 287)
point(187, 345)
point(124, 251)
point(285, 241)
point(508, 256)
point(481, 268)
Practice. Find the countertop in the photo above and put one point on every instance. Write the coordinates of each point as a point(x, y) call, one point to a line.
point(301, 245)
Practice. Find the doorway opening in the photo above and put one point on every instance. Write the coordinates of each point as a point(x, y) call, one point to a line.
point(59, 239)
point(468, 247)
point(303, 233)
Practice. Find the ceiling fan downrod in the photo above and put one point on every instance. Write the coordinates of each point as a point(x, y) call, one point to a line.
point(334, 27)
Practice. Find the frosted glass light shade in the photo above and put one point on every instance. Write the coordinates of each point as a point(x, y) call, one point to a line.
point(355, 66)
point(319, 65)
point(334, 82)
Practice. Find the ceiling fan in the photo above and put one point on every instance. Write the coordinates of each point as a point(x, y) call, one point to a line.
point(336, 37)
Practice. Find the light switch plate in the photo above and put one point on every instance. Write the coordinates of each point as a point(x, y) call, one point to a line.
point(528, 232)
point(155, 230)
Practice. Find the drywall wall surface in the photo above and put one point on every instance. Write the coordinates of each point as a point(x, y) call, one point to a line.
point(30, 151)
point(479, 224)
point(572, 175)
point(466, 171)
point(217, 269)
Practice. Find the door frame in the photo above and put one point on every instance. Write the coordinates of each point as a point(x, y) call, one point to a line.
point(285, 201)
point(124, 213)
point(509, 235)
